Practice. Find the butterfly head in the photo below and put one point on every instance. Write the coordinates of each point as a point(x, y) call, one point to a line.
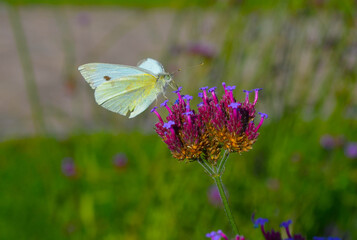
point(166, 77)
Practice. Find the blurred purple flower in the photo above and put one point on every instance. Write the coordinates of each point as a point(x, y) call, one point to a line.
point(70, 228)
point(213, 196)
point(351, 150)
point(83, 18)
point(296, 157)
point(327, 142)
point(120, 161)
point(201, 49)
point(69, 168)
point(273, 184)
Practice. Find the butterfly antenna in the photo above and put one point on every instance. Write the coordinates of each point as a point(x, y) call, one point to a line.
point(180, 69)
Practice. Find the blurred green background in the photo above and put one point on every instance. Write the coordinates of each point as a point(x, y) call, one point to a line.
point(61, 175)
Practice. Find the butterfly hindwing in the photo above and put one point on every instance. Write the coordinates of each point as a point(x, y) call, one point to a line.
point(128, 95)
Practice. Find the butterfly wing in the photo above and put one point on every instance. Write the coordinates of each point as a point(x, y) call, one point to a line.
point(129, 95)
point(152, 66)
point(97, 73)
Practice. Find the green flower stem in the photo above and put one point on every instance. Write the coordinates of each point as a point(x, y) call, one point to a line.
point(206, 166)
point(223, 162)
point(216, 173)
point(218, 181)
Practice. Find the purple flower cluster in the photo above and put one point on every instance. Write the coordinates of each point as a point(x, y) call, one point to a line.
point(276, 235)
point(219, 234)
point(217, 124)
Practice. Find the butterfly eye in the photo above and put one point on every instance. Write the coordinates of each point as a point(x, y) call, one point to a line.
point(167, 77)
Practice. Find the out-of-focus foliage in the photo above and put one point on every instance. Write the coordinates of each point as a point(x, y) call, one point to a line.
point(287, 175)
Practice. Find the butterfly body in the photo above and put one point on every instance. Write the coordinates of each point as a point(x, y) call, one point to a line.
point(123, 89)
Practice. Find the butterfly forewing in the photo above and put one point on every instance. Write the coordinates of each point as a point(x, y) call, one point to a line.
point(97, 73)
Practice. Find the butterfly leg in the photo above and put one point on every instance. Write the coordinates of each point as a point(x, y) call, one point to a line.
point(165, 96)
point(173, 85)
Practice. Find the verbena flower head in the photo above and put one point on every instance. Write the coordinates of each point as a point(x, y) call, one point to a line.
point(275, 235)
point(216, 125)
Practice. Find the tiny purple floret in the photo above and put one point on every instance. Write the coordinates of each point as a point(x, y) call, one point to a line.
point(212, 89)
point(164, 104)
point(259, 221)
point(247, 96)
point(230, 93)
point(263, 115)
point(178, 90)
point(286, 223)
point(157, 114)
point(286, 226)
point(168, 124)
point(256, 95)
point(204, 94)
point(178, 94)
point(230, 88)
point(188, 97)
point(234, 105)
point(188, 113)
point(224, 87)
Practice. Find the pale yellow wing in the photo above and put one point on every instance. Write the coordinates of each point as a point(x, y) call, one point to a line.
point(128, 95)
point(97, 73)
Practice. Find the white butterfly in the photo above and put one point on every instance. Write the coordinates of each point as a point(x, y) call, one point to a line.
point(126, 90)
